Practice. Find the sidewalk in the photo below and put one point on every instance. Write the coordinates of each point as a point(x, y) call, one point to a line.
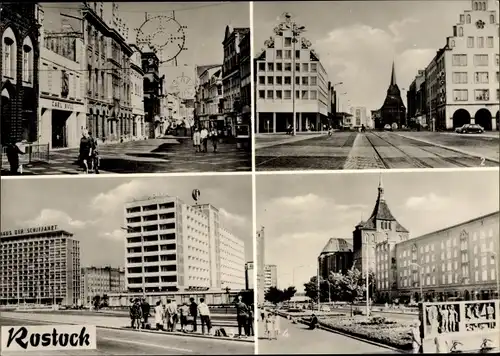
point(120, 323)
point(270, 140)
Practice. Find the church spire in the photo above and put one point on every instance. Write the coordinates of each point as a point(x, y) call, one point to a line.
point(393, 74)
point(380, 188)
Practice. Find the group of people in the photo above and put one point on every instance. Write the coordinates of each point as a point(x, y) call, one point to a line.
point(89, 153)
point(201, 137)
point(244, 316)
point(272, 324)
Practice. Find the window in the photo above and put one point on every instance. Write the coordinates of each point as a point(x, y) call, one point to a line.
point(452, 43)
point(462, 19)
point(482, 94)
point(481, 60)
point(279, 94)
point(297, 67)
point(305, 81)
point(498, 94)
point(497, 60)
point(492, 18)
point(480, 42)
point(270, 67)
point(467, 19)
point(279, 67)
point(313, 95)
point(288, 80)
point(489, 42)
point(262, 94)
point(288, 42)
point(9, 48)
point(314, 80)
point(279, 80)
point(279, 54)
point(297, 54)
point(270, 80)
point(481, 77)
point(288, 54)
point(297, 94)
point(262, 80)
point(459, 60)
point(288, 94)
point(305, 67)
point(460, 31)
point(288, 67)
point(314, 67)
point(297, 80)
point(470, 42)
point(270, 94)
point(461, 94)
point(305, 95)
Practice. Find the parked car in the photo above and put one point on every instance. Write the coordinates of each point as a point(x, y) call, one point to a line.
point(388, 127)
point(326, 308)
point(469, 128)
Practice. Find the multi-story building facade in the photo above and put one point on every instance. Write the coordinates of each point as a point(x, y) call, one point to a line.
point(460, 261)
point(62, 104)
point(243, 122)
point(462, 80)
point(288, 74)
point(137, 93)
point(231, 76)
point(416, 99)
point(270, 277)
point(39, 265)
point(100, 281)
point(153, 90)
point(359, 117)
point(336, 257)
point(209, 95)
point(19, 60)
point(173, 246)
point(261, 262)
point(249, 275)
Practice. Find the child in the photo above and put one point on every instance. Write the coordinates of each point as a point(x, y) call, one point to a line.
point(268, 318)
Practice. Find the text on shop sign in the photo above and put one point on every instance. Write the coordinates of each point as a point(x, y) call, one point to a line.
point(30, 230)
point(59, 105)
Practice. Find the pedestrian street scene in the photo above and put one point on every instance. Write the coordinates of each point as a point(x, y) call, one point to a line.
point(407, 88)
point(392, 270)
point(123, 88)
point(99, 264)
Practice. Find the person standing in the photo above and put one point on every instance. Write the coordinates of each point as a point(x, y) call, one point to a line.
point(13, 151)
point(85, 151)
point(193, 311)
point(184, 312)
point(204, 313)
point(416, 340)
point(242, 316)
point(131, 313)
point(196, 140)
point(159, 315)
point(171, 315)
point(204, 138)
point(250, 321)
point(94, 155)
point(215, 138)
point(146, 308)
point(137, 314)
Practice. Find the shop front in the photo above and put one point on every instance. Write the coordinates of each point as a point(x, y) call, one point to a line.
point(61, 122)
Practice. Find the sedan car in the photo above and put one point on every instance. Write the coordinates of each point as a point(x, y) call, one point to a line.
point(469, 128)
point(388, 127)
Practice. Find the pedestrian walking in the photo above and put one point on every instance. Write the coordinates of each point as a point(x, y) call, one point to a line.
point(242, 316)
point(184, 313)
point(137, 315)
point(159, 315)
point(416, 341)
point(204, 138)
point(196, 140)
point(268, 319)
point(276, 325)
point(193, 311)
point(85, 151)
point(215, 138)
point(14, 149)
point(204, 313)
point(131, 313)
point(94, 154)
point(146, 308)
point(250, 321)
point(262, 314)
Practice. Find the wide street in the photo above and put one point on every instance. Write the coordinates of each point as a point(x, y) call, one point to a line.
point(298, 339)
point(164, 155)
point(376, 150)
point(129, 342)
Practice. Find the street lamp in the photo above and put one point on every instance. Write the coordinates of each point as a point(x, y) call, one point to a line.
point(131, 229)
point(494, 254)
point(420, 280)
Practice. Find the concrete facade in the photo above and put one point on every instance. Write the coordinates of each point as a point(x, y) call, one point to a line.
point(101, 281)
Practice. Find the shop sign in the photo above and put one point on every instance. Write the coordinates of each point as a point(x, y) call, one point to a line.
point(30, 230)
point(61, 105)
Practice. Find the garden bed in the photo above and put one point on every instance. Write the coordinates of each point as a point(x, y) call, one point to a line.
point(377, 329)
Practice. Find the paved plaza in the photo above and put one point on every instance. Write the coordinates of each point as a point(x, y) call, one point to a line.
point(376, 150)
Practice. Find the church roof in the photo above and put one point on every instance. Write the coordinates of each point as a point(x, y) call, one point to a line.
point(337, 245)
point(393, 98)
point(381, 211)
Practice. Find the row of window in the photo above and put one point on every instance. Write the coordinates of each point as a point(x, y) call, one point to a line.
point(287, 67)
point(479, 94)
point(287, 94)
point(466, 19)
point(449, 278)
point(287, 80)
point(479, 60)
point(480, 42)
point(479, 77)
point(9, 60)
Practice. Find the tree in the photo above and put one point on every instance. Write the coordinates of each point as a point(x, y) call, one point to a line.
point(97, 302)
point(311, 289)
point(105, 301)
point(274, 295)
point(288, 293)
point(351, 285)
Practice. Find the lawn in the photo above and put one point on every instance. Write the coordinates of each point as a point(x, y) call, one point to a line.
point(378, 329)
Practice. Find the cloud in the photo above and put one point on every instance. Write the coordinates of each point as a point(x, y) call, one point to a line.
point(55, 217)
point(233, 219)
point(427, 202)
point(117, 234)
point(116, 198)
point(397, 27)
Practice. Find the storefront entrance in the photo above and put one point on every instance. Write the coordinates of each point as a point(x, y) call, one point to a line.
point(59, 128)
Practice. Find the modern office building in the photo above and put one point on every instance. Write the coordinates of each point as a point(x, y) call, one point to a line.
point(336, 257)
point(39, 265)
point(460, 261)
point(270, 277)
point(173, 246)
point(289, 64)
point(19, 31)
point(101, 281)
point(261, 263)
point(462, 80)
point(249, 275)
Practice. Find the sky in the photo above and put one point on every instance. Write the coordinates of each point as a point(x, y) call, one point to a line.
point(93, 208)
point(357, 41)
point(206, 23)
point(301, 212)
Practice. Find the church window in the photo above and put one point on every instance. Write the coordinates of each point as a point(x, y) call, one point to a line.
point(468, 19)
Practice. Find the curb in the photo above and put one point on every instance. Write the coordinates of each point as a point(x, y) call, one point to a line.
point(147, 331)
point(288, 140)
point(392, 348)
point(458, 150)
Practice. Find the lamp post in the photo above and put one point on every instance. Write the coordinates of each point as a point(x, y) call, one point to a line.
point(420, 280)
point(494, 254)
point(329, 290)
point(318, 284)
point(130, 229)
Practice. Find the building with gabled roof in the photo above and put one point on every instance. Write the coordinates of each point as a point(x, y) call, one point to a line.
point(336, 257)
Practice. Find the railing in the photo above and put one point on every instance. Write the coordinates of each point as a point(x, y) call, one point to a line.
point(35, 152)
